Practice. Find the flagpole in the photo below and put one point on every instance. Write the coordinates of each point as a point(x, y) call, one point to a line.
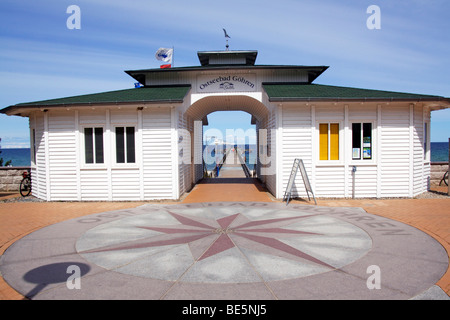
point(173, 57)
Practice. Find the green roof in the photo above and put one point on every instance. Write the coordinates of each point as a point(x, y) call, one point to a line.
point(165, 94)
point(307, 92)
point(277, 92)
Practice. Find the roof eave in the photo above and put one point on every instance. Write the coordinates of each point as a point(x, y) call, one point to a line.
point(30, 106)
point(367, 99)
point(222, 67)
point(313, 74)
point(225, 66)
point(17, 110)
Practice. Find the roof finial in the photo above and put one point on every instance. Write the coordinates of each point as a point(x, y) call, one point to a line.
point(226, 36)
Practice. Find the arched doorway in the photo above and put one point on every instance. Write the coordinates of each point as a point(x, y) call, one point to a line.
point(229, 145)
point(195, 117)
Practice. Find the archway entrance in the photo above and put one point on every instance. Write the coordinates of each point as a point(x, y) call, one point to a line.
point(260, 116)
point(229, 145)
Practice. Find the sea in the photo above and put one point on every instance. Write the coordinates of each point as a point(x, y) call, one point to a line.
point(439, 151)
point(21, 157)
point(18, 157)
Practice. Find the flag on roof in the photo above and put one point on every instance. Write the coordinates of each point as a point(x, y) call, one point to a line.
point(164, 54)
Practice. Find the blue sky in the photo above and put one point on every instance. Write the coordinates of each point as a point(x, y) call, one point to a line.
point(40, 58)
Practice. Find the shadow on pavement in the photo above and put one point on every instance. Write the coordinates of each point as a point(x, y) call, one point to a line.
point(53, 273)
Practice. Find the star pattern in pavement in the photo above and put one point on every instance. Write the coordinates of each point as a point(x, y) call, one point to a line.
point(208, 237)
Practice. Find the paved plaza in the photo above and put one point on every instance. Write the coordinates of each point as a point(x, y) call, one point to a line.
point(226, 250)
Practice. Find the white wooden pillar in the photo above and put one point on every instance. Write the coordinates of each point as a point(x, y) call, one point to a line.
point(77, 156)
point(378, 151)
point(107, 151)
point(175, 154)
point(411, 150)
point(198, 151)
point(314, 155)
point(140, 158)
point(47, 160)
point(347, 146)
point(279, 152)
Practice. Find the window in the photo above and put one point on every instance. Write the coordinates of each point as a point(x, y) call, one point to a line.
point(329, 141)
point(93, 145)
point(33, 151)
point(362, 141)
point(125, 149)
point(425, 141)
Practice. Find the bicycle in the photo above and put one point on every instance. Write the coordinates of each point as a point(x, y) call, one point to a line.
point(444, 178)
point(25, 184)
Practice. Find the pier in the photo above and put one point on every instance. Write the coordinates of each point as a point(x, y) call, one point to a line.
point(233, 165)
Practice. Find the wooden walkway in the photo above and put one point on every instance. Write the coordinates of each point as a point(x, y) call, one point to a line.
point(232, 167)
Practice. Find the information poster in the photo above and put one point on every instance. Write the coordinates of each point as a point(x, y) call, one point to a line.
point(367, 148)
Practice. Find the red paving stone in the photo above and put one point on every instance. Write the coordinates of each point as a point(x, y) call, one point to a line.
point(228, 189)
point(431, 216)
point(18, 219)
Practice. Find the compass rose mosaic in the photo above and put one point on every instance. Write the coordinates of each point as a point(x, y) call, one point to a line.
point(224, 250)
point(224, 244)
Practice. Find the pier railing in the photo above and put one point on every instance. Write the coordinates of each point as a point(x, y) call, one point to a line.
point(243, 164)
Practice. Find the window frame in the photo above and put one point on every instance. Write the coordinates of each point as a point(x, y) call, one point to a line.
point(361, 160)
point(33, 149)
point(426, 142)
point(341, 155)
point(95, 164)
point(124, 164)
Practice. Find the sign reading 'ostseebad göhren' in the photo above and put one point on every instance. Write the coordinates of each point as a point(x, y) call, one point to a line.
point(226, 83)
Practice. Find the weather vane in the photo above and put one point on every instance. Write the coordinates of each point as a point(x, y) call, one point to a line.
point(226, 37)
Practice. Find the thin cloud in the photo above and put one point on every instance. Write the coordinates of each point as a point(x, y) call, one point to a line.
point(409, 53)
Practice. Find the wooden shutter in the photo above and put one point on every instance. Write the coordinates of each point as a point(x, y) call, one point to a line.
point(323, 141)
point(334, 141)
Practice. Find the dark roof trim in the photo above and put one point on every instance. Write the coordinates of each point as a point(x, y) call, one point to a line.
point(118, 97)
point(249, 55)
point(313, 73)
point(337, 99)
point(224, 67)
